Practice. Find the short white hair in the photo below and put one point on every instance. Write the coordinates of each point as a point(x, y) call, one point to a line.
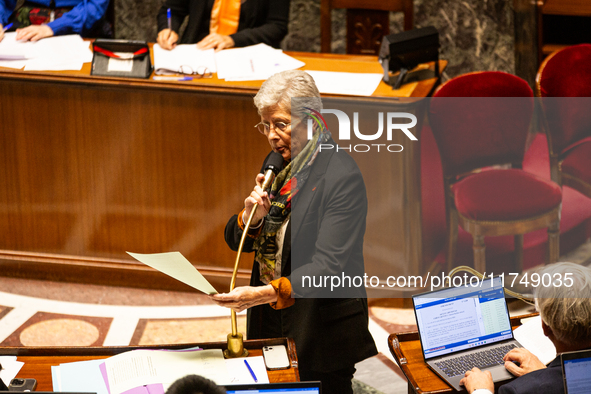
point(280, 88)
point(566, 309)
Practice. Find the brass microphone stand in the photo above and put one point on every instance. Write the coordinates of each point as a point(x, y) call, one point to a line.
point(235, 338)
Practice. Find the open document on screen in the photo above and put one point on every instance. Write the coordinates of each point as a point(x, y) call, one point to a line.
point(576, 375)
point(455, 319)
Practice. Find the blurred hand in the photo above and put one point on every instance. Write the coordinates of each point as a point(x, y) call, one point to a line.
point(527, 362)
point(257, 197)
point(167, 39)
point(476, 379)
point(245, 297)
point(216, 41)
point(34, 33)
point(1, 32)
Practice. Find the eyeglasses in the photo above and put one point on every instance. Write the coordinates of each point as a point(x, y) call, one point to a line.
point(199, 72)
point(265, 128)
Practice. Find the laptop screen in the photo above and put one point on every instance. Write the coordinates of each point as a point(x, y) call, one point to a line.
point(459, 318)
point(576, 367)
point(276, 388)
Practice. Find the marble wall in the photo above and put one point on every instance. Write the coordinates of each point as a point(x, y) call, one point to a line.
point(474, 34)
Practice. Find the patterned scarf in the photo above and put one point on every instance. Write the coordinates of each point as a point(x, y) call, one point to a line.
point(285, 186)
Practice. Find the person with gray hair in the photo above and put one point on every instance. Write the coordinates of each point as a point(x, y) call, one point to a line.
point(311, 222)
point(564, 304)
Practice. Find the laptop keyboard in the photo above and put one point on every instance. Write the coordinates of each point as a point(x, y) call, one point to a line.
point(484, 359)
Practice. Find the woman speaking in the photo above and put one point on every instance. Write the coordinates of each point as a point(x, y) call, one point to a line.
point(310, 223)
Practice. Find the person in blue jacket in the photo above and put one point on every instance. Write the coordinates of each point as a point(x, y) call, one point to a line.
point(45, 18)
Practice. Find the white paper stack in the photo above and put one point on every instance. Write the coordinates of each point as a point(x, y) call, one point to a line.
point(54, 53)
point(153, 371)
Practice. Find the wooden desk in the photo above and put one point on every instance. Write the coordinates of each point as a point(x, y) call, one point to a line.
point(93, 167)
point(406, 349)
point(38, 361)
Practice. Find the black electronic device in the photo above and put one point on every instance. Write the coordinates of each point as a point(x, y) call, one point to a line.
point(22, 385)
point(121, 58)
point(404, 51)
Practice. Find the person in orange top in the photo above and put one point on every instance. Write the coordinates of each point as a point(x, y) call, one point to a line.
point(223, 24)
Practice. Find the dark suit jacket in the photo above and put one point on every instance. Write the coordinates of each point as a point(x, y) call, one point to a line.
point(261, 21)
point(543, 381)
point(324, 237)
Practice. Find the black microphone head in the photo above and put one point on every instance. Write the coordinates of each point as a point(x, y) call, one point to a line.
point(274, 162)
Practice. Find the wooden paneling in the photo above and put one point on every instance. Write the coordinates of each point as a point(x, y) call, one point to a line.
point(92, 167)
point(94, 172)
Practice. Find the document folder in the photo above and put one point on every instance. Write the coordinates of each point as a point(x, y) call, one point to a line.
point(121, 58)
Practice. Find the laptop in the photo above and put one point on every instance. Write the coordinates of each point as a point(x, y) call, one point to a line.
point(314, 387)
point(575, 370)
point(465, 327)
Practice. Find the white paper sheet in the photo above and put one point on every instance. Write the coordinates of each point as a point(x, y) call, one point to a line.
point(177, 266)
point(67, 52)
point(239, 374)
point(56, 377)
point(531, 336)
point(184, 55)
point(357, 84)
point(10, 368)
point(16, 64)
point(11, 49)
point(252, 63)
point(81, 376)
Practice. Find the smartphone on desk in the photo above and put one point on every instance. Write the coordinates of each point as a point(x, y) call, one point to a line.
point(275, 357)
point(22, 385)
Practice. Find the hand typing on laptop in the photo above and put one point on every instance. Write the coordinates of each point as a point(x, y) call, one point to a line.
point(477, 379)
point(528, 362)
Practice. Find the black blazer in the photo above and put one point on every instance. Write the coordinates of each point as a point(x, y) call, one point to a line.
point(324, 237)
point(546, 381)
point(261, 21)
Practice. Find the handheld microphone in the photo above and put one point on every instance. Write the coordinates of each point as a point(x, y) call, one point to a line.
point(272, 168)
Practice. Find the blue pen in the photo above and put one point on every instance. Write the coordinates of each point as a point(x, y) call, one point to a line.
point(251, 371)
point(8, 26)
point(169, 19)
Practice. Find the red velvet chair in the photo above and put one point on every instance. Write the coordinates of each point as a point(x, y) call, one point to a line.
point(564, 85)
point(480, 122)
